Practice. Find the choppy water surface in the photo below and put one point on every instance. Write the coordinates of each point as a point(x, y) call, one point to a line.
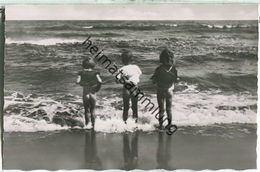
point(216, 61)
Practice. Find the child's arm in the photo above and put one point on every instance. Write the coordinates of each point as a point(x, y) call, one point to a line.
point(119, 75)
point(99, 78)
point(154, 77)
point(171, 88)
point(176, 79)
point(98, 87)
point(78, 79)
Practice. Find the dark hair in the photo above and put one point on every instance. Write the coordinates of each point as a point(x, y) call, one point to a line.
point(88, 64)
point(126, 57)
point(167, 57)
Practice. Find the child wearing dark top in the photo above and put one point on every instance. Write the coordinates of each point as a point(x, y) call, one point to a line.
point(164, 77)
point(91, 82)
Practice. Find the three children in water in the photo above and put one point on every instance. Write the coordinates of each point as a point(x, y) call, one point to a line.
point(164, 77)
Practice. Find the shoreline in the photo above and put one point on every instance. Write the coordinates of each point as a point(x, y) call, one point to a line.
point(197, 148)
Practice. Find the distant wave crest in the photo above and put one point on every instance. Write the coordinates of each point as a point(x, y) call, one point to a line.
point(48, 41)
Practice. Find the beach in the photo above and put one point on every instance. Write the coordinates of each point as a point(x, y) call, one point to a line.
point(214, 103)
point(197, 148)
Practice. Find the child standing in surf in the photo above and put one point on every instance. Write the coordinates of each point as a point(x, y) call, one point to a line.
point(165, 76)
point(91, 82)
point(130, 74)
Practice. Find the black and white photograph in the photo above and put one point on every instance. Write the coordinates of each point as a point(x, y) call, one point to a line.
point(129, 86)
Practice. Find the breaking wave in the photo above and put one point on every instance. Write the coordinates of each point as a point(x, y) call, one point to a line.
point(32, 113)
point(48, 41)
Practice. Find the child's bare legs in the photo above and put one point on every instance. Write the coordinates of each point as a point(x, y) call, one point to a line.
point(126, 101)
point(169, 106)
point(86, 109)
point(126, 98)
point(90, 106)
point(164, 96)
point(160, 100)
point(134, 100)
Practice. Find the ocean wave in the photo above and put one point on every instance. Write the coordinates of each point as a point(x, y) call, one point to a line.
point(170, 25)
point(32, 113)
point(224, 82)
point(87, 27)
point(227, 26)
point(58, 27)
point(240, 54)
point(152, 26)
point(128, 27)
point(220, 56)
point(48, 41)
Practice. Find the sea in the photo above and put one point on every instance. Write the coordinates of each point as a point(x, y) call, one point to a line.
point(216, 63)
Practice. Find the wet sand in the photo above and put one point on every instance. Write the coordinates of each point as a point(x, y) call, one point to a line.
point(215, 147)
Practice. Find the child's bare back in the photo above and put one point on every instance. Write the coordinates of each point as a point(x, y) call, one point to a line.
point(90, 80)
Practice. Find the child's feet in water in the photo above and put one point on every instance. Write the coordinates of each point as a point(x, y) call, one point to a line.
point(86, 121)
point(88, 126)
point(171, 128)
point(136, 127)
point(160, 127)
point(168, 126)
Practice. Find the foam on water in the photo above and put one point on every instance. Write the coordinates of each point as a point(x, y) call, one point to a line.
point(20, 123)
point(87, 27)
point(227, 26)
point(190, 107)
point(48, 41)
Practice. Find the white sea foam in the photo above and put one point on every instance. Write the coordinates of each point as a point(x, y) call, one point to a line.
point(19, 123)
point(219, 26)
point(172, 25)
point(190, 108)
point(87, 27)
point(48, 41)
point(228, 26)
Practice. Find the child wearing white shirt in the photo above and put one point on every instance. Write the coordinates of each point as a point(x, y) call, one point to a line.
point(130, 74)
